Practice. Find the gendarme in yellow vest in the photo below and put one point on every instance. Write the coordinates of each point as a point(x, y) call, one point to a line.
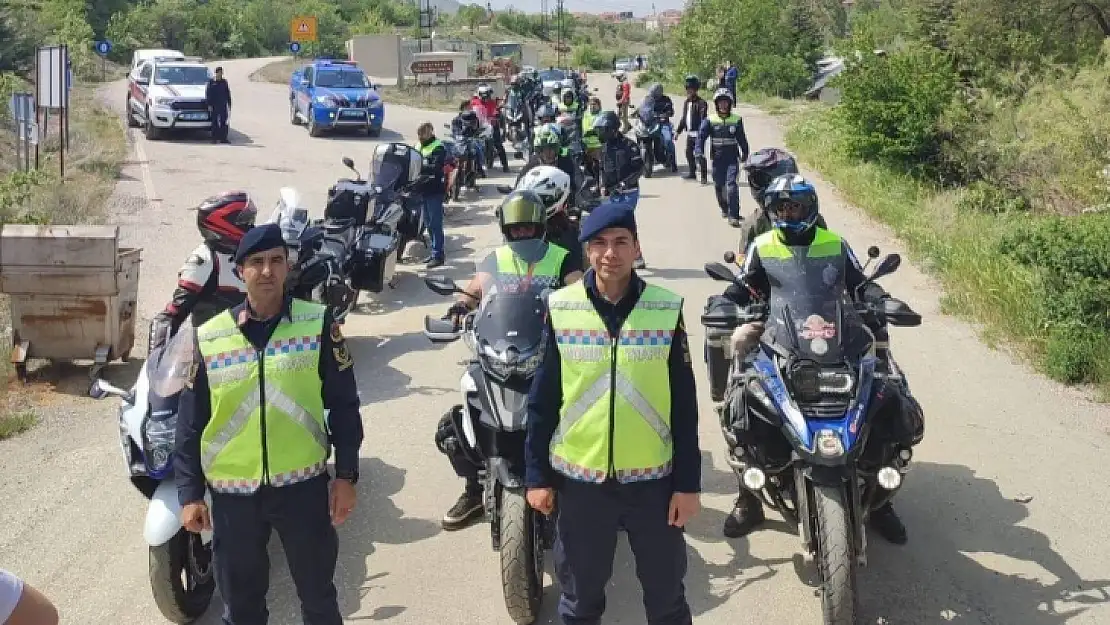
point(616, 415)
point(268, 397)
point(515, 275)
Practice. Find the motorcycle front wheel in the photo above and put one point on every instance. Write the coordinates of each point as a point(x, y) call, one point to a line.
point(649, 160)
point(181, 577)
point(521, 557)
point(836, 559)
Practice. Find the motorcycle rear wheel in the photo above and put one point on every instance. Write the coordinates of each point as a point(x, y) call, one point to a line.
point(181, 578)
point(521, 557)
point(836, 560)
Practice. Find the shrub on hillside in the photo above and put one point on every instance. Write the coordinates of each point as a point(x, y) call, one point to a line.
point(783, 76)
point(590, 57)
point(890, 105)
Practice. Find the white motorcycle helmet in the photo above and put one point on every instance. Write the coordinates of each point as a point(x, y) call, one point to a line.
point(550, 183)
point(567, 84)
point(620, 75)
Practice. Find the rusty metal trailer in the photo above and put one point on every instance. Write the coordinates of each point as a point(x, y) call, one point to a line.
point(73, 293)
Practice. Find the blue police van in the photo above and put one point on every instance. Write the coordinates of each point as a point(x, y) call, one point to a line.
point(329, 94)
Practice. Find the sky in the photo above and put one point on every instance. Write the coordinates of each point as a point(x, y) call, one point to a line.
point(639, 8)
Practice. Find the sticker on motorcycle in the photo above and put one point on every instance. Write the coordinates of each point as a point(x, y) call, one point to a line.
point(817, 328)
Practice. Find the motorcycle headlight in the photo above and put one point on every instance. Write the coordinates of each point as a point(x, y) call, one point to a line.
point(511, 362)
point(158, 431)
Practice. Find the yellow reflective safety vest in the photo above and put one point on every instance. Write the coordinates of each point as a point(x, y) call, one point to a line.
point(516, 276)
point(723, 132)
point(615, 420)
point(589, 135)
point(426, 150)
point(267, 425)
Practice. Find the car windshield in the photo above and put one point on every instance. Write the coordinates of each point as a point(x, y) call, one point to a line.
point(815, 322)
point(181, 76)
point(548, 75)
point(341, 79)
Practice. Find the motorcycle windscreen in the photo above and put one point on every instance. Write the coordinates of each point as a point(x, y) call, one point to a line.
point(169, 368)
point(817, 324)
point(511, 335)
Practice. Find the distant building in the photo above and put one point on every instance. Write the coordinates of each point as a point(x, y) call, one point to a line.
point(662, 21)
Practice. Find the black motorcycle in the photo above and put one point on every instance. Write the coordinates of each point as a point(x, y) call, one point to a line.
point(507, 336)
point(518, 123)
point(806, 416)
point(654, 136)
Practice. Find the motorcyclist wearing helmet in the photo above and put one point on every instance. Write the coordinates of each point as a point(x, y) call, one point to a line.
point(547, 150)
point(555, 189)
point(489, 107)
point(658, 106)
point(589, 137)
point(546, 114)
point(467, 124)
point(694, 110)
point(762, 167)
point(525, 262)
point(623, 98)
point(207, 283)
point(568, 103)
point(728, 148)
point(791, 201)
point(621, 165)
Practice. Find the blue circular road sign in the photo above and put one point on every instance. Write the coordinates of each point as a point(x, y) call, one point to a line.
point(294, 47)
point(103, 47)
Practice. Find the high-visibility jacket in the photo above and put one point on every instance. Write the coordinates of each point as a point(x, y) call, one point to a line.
point(267, 421)
point(615, 420)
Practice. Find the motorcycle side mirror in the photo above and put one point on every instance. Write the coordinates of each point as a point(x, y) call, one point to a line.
point(873, 252)
point(886, 267)
point(441, 285)
point(100, 389)
point(730, 257)
point(351, 166)
point(719, 272)
point(504, 188)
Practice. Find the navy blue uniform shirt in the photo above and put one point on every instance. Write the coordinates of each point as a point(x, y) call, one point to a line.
point(546, 397)
point(340, 395)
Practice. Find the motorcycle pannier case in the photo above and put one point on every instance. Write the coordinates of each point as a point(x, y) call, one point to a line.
point(717, 352)
point(373, 261)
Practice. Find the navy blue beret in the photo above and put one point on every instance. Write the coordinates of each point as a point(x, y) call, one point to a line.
point(258, 239)
point(608, 215)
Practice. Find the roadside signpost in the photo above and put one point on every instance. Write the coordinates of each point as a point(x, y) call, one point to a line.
point(294, 47)
point(102, 47)
point(302, 29)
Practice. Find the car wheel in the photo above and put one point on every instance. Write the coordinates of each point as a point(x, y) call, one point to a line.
point(373, 132)
point(152, 132)
point(313, 129)
point(130, 113)
point(293, 113)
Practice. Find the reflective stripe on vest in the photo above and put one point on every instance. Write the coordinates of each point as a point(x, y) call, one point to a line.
point(284, 375)
point(516, 276)
point(589, 136)
point(618, 388)
point(719, 130)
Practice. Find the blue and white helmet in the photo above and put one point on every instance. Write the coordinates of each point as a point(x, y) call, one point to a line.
point(794, 189)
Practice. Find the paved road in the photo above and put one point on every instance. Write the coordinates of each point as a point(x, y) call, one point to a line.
point(70, 522)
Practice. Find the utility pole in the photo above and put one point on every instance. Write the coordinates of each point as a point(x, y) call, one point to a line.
point(559, 50)
point(543, 16)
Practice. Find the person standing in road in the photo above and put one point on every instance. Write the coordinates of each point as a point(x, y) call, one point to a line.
point(624, 98)
point(272, 390)
point(694, 110)
point(613, 429)
point(20, 604)
point(728, 143)
point(732, 74)
point(432, 191)
point(218, 96)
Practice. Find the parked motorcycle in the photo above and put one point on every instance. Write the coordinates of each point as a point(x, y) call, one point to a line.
point(180, 571)
point(507, 336)
point(654, 144)
point(465, 153)
point(809, 393)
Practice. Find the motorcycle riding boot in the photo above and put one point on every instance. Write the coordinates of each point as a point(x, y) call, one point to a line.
point(466, 509)
point(746, 515)
point(887, 524)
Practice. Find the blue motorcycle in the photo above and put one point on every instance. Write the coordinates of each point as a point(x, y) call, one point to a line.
point(814, 394)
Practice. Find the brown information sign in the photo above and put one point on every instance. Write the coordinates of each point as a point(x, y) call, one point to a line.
point(440, 67)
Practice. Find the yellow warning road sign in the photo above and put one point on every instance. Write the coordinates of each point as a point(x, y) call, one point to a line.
point(303, 28)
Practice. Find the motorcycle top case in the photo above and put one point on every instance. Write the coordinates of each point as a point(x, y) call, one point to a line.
point(395, 165)
point(765, 165)
point(369, 258)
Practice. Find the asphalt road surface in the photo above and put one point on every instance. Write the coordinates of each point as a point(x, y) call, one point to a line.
point(1003, 503)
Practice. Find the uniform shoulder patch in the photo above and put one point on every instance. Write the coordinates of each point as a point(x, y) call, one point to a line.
point(339, 349)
